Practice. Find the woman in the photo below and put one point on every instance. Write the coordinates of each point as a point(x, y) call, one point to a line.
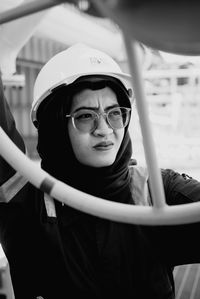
point(55, 251)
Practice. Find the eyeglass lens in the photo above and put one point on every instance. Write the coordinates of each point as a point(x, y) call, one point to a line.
point(87, 120)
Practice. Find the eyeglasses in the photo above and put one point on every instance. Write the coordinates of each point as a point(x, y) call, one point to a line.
point(87, 120)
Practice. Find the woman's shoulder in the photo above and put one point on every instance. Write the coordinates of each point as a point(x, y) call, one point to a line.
point(139, 184)
point(20, 195)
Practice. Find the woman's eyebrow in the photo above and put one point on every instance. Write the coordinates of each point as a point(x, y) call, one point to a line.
point(85, 107)
point(95, 108)
point(111, 107)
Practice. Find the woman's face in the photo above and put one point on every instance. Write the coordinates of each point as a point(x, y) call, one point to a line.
point(99, 147)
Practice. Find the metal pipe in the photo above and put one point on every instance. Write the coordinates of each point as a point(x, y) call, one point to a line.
point(27, 9)
point(155, 178)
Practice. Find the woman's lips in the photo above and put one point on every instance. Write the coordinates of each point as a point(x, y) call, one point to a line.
point(103, 146)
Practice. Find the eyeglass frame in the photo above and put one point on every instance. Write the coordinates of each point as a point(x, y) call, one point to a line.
point(105, 116)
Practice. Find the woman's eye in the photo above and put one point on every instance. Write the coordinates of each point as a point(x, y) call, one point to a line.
point(115, 113)
point(84, 116)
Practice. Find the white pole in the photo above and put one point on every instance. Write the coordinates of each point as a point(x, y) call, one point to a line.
point(155, 178)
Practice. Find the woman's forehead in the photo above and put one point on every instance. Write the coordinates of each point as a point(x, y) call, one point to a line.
point(94, 98)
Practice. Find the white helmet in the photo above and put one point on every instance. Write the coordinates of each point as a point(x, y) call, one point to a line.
point(67, 66)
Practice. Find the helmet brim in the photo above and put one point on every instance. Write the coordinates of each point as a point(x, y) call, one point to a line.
point(124, 78)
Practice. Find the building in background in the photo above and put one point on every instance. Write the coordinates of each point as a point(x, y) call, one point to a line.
point(20, 94)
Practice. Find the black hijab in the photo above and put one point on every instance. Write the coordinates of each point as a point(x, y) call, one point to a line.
point(83, 236)
point(57, 157)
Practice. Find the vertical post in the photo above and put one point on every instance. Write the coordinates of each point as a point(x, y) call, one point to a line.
point(155, 178)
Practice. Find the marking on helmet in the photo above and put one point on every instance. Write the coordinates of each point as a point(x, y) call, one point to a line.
point(95, 60)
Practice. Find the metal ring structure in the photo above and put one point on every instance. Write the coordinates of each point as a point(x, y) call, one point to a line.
point(143, 215)
point(159, 214)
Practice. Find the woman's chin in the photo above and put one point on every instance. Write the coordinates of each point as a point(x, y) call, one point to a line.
point(98, 163)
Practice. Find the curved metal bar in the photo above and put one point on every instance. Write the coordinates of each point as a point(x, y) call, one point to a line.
point(27, 9)
point(167, 215)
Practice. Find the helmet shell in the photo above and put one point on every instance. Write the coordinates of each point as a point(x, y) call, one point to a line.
point(67, 66)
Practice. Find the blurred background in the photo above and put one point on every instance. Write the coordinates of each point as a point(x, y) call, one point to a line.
point(171, 82)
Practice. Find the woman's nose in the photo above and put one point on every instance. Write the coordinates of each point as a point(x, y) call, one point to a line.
point(103, 126)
